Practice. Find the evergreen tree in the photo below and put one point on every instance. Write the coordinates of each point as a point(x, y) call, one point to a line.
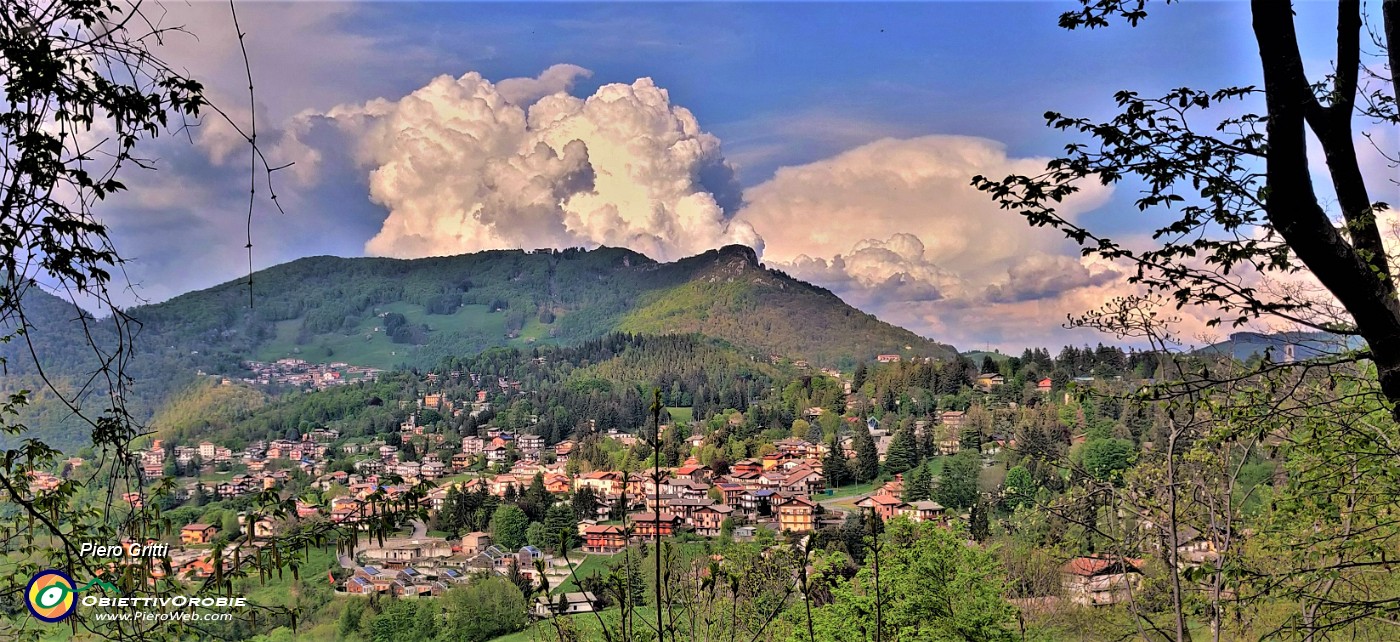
point(584, 503)
point(834, 465)
point(858, 379)
point(957, 488)
point(560, 523)
point(918, 483)
point(903, 452)
point(449, 518)
point(979, 528)
point(536, 500)
point(867, 461)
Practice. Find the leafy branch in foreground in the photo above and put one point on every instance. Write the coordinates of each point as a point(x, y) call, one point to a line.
point(83, 89)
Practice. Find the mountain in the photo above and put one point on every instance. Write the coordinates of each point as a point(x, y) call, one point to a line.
point(1305, 345)
point(391, 312)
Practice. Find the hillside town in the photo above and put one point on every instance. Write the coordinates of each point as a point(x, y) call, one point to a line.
point(782, 493)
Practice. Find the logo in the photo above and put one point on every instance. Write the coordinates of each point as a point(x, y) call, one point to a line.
point(51, 595)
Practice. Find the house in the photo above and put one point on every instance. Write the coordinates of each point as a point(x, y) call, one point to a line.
point(498, 558)
point(653, 524)
point(604, 539)
point(565, 604)
point(602, 482)
point(527, 556)
point(557, 484)
point(684, 508)
point(745, 466)
point(473, 445)
point(197, 533)
point(497, 453)
point(796, 514)
point(432, 470)
point(990, 380)
point(708, 521)
point(887, 358)
point(885, 506)
point(475, 542)
point(731, 492)
point(803, 481)
point(1100, 580)
point(923, 511)
point(757, 502)
point(1044, 385)
point(694, 472)
point(562, 450)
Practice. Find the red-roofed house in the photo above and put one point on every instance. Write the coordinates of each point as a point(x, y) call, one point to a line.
point(1100, 580)
point(604, 539)
point(886, 506)
point(649, 524)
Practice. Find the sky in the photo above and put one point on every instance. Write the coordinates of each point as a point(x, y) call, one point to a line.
point(837, 139)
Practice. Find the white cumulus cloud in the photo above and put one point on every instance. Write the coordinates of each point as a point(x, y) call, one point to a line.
point(895, 228)
point(464, 164)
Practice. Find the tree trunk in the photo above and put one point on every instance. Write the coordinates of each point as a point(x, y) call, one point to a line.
point(1355, 272)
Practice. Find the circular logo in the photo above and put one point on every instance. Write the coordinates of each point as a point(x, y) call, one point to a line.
point(50, 596)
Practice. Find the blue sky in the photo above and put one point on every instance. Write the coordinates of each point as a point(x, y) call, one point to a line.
point(818, 113)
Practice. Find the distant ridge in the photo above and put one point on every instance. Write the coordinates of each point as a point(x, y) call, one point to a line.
point(387, 313)
point(1304, 345)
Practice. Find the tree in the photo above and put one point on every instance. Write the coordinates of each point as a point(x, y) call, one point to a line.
point(1106, 459)
point(957, 487)
point(70, 66)
point(834, 467)
point(536, 500)
point(229, 526)
point(1019, 487)
point(560, 523)
point(903, 452)
point(485, 610)
point(585, 503)
point(508, 527)
point(918, 483)
point(538, 535)
point(1248, 180)
point(858, 379)
point(866, 466)
point(978, 526)
point(932, 586)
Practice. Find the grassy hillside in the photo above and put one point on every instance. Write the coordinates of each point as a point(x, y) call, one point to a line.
point(389, 313)
point(729, 295)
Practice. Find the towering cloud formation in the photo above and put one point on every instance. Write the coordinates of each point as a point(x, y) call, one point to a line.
point(894, 227)
point(463, 164)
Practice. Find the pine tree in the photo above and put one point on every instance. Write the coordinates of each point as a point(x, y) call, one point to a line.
point(903, 452)
point(585, 503)
point(979, 528)
point(536, 500)
point(917, 483)
point(560, 523)
point(834, 465)
point(858, 379)
point(867, 461)
point(957, 487)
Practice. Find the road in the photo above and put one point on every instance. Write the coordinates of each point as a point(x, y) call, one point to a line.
point(831, 505)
